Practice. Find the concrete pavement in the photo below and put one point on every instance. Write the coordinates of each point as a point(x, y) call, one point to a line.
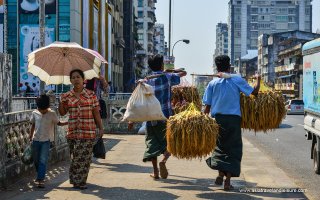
point(123, 175)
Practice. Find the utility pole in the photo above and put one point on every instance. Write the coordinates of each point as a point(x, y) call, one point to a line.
point(169, 28)
point(42, 27)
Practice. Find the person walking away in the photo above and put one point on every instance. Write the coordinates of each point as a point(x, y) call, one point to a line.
point(222, 101)
point(155, 139)
point(29, 90)
point(83, 108)
point(43, 120)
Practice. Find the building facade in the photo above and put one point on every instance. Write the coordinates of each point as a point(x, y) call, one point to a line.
point(118, 45)
point(67, 21)
point(221, 41)
point(247, 65)
point(269, 47)
point(145, 23)
point(129, 35)
point(159, 43)
point(250, 18)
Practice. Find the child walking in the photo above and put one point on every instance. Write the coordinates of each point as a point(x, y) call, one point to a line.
point(43, 120)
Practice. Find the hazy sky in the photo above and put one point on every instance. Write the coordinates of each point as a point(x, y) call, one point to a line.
point(196, 21)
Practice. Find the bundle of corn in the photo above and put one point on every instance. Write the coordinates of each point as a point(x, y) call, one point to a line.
point(191, 134)
point(262, 112)
point(182, 96)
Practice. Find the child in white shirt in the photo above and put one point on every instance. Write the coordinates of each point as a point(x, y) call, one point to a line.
point(43, 121)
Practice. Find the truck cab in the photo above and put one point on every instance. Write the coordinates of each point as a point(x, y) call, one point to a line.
point(311, 98)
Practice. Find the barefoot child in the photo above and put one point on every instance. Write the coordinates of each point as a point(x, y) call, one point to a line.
point(43, 120)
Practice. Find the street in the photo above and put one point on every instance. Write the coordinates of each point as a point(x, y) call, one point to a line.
point(289, 149)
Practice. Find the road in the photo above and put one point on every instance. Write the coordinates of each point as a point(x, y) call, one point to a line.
point(289, 149)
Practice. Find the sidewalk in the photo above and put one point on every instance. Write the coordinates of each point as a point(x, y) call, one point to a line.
point(123, 175)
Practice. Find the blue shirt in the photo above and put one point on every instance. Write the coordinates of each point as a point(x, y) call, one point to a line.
point(162, 88)
point(223, 95)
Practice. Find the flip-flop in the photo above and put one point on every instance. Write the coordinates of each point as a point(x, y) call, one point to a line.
point(227, 186)
point(163, 170)
point(40, 185)
point(154, 177)
point(219, 180)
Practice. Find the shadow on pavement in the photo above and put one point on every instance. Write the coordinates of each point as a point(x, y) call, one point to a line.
point(123, 193)
point(56, 174)
point(127, 168)
point(226, 195)
point(110, 143)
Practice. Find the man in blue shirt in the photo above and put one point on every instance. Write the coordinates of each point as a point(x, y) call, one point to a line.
point(156, 130)
point(222, 101)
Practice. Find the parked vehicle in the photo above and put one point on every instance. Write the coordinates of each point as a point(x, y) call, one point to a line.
point(311, 98)
point(295, 106)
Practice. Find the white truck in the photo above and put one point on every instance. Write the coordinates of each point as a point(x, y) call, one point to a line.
point(311, 98)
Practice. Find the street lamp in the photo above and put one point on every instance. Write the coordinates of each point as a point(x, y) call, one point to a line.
point(183, 40)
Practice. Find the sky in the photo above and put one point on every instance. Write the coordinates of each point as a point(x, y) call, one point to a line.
point(196, 21)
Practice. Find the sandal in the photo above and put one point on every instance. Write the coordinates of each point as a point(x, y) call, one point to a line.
point(80, 187)
point(40, 184)
point(163, 170)
point(219, 180)
point(154, 176)
point(227, 185)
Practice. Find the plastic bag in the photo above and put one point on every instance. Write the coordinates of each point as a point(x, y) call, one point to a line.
point(143, 129)
point(27, 158)
point(143, 105)
point(98, 149)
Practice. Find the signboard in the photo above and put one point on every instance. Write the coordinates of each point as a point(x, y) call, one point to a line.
point(30, 41)
point(311, 82)
point(32, 6)
point(168, 62)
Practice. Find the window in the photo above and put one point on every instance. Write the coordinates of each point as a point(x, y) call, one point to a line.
point(140, 14)
point(140, 36)
point(140, 3)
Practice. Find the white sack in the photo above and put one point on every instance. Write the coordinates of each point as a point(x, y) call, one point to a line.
point(143, 105)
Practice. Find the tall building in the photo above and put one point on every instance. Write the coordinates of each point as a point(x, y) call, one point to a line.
point(221, 41)
point(83, 22)
point(145, 22)
point(131, 41)
point(269, 47)
point(250, 18)
point(118, 45)
point(159, 43)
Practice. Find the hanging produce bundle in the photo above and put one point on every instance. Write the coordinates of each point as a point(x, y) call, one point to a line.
point(262, 112)
point(191, 134)
point(183, 95)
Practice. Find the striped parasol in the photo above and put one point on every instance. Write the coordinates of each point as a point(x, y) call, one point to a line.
point(53, 63)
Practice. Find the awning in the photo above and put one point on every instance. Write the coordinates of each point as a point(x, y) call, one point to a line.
point(286, 76)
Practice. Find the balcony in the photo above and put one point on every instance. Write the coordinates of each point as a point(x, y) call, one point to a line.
point(285, 86)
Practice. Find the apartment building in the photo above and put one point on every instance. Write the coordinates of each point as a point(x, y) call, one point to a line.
point(159, 43)
point(250, 18)
point(221, 41)
point(145, 23)
point(269, 47)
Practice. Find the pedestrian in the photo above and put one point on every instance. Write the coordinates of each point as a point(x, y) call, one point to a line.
point(155, 139)
point(222, 101)
point(43, 121)
point(83, 108)
point(35, 89)
point(29, 90)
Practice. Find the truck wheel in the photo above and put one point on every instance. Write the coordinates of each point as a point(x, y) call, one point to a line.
point(316, 160)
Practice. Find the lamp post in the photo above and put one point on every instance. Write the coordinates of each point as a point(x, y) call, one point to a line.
point(183, 40)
